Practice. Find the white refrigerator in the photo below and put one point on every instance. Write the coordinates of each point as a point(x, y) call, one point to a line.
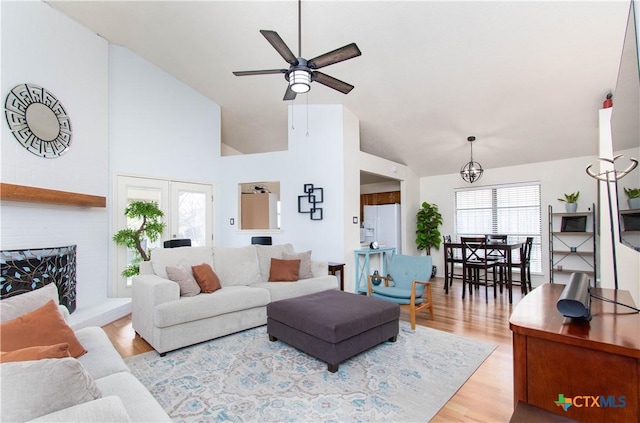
point(382, 224)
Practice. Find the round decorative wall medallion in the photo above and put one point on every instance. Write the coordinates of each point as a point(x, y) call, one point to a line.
point(38, 120)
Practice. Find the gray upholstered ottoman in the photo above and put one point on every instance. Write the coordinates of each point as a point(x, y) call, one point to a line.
point(333, 325)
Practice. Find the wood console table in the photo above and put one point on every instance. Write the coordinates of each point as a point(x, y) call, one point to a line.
point(554, 355)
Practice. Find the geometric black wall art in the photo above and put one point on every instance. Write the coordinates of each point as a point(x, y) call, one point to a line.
point(308, 203)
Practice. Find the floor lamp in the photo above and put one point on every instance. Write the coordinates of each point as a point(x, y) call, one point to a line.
point(614, 176)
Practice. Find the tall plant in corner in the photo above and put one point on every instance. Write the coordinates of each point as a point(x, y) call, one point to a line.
point(427, 233)
point(151, 227)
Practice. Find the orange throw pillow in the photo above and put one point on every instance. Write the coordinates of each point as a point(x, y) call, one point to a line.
point(36, 353)
point(206, 278)
point(42, 326)
point(284, 270)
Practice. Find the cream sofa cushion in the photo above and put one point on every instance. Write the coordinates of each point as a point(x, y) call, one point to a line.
point(32, 389)
point(236, 265)
point(183, 256)
point(107, 410)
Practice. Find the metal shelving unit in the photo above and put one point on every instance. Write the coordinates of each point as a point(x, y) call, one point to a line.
point(570, 248)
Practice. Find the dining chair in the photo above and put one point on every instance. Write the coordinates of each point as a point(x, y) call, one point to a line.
point(452, 257)
point(498, 255)
point(523, 263)
point(476, 267)
point(407, 283)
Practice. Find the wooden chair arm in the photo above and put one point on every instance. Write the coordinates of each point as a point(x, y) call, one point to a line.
point(370, 284)
point(413, 288)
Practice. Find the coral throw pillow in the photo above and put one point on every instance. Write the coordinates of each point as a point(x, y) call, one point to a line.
point(36, 353)
point(284, 270)
point(305, 263)
point(42, 326)
point(206, 278)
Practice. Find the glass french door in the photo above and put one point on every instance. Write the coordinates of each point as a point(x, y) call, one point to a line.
point(191, 215)
point(188, 213)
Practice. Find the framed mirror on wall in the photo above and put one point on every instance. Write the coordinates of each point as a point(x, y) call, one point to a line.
point(625, 132)
point(259, 205)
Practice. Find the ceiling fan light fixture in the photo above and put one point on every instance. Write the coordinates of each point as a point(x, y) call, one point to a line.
point(300, 81)
point(471, 171)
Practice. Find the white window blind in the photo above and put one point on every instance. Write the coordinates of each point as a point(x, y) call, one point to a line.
point(512, 210)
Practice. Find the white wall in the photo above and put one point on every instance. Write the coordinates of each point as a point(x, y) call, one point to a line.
point(409, 189)
point(556, 178)
point(44, 47)
point(316, 159)
point(159, 126)
point(380, 187)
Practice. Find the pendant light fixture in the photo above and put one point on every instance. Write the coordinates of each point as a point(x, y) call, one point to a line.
point(471, 171)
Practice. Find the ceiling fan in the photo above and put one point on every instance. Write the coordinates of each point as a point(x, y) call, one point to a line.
point(301, 71)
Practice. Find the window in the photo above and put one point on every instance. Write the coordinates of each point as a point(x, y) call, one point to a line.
point(512, 210)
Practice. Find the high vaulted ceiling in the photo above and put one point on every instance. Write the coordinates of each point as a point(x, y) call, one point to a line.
point(525, 78)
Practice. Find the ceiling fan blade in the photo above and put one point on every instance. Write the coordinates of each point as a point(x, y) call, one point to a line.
point(332, 82)
point(289, 94)
point(259, 72)
point(338, 55)
point(280, 46)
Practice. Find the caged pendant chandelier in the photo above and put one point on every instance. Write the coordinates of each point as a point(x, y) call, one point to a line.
point(471, 171)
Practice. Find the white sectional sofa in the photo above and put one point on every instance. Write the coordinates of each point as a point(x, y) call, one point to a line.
point(168, 321)
point(96, 386)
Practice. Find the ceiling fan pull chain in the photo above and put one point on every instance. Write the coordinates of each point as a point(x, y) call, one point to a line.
point(307, 114)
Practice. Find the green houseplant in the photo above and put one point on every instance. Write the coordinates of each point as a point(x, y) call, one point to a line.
point(633, 197)
point(428, 219)
point(151, 227)
point(571, 201)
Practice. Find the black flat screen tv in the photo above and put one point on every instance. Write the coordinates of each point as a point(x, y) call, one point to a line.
point(573, 224)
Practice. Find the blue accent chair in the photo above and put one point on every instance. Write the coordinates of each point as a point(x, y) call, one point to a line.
point(407, 284)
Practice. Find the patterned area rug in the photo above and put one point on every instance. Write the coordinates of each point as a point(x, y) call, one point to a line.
point(246, 378)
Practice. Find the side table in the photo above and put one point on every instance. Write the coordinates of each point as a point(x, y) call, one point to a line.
point(337, 267)
point(362, 260)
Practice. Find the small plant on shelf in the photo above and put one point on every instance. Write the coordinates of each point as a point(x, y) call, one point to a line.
point(632, 192)
point(570, 198)
point(571, 201)
point(633, 195)
point(149, 216)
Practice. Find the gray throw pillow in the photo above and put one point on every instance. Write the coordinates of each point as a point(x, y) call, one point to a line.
point(183, 277)
point(305, 263)
point(32, 389)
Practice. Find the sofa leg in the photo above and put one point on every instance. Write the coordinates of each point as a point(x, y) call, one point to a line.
point(162, 354)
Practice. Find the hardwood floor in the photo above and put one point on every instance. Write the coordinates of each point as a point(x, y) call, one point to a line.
point(486, 397)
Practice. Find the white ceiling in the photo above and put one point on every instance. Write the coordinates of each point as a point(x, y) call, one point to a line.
point(526, 78)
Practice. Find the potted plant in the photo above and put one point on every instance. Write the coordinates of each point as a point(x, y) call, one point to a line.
point(428, 219)
point(151, 227)
point(633, 197)
point(571, 201)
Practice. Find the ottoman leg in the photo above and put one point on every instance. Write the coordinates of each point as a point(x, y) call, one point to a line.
point(272, 338)
point(333, 367)
point(393, 338)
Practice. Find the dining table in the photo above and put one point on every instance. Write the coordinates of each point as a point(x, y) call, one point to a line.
point(507, 247)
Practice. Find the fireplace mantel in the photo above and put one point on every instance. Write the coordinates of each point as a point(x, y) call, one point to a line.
point(10, 192)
